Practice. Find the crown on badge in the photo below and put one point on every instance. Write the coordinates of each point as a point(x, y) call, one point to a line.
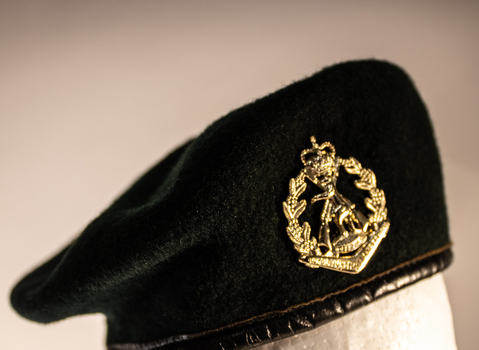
point(348, 248)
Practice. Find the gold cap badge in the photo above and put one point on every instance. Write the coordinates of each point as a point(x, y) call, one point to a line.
point(349, 248)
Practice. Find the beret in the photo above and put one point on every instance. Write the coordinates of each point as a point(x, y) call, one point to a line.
point(223, 239)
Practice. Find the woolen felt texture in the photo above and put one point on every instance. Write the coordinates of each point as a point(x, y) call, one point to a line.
point(199, 242)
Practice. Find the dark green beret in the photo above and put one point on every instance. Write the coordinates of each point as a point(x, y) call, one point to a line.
point(253, 231)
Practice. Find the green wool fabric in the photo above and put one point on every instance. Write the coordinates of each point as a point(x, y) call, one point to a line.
point(200, 242)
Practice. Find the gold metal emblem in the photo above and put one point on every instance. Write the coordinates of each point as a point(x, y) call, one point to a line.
point(349, 247)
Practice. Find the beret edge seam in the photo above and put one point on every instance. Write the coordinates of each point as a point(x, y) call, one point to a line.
point(176, 339)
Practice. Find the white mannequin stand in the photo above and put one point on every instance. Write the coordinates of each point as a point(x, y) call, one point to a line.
point(416, 317)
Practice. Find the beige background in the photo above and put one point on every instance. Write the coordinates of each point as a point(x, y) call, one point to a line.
point(94, 92)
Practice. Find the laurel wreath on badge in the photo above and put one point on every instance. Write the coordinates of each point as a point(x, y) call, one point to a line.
point(349, 247)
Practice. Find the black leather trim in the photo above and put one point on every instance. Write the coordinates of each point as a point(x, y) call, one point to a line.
point(304, 317)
